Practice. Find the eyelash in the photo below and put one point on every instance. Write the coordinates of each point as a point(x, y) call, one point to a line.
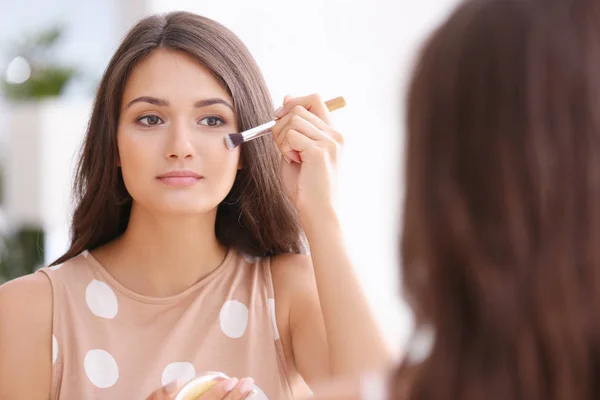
point(139, 120)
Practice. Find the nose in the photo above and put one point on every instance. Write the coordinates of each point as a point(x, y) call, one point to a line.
point(179, 144)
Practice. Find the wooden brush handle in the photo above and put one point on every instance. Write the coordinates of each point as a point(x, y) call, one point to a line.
point(335, 104)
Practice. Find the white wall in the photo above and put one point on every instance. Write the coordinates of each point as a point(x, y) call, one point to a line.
point(362, 50)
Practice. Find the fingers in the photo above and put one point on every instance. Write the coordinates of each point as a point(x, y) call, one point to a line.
point(301, 137)
point(295, 141)
point(241, 390)
point(167, 392)
point(221, 390)
point(312, 103)
point(228, 389)
point(300, 113)
point(297, 124)
point(301, 121)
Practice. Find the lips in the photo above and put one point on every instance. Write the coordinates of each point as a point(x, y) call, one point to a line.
point(180, 178)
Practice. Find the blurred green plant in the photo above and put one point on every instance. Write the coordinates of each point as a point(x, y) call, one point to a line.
point(48, 78)
point(21, 253)
point(1, 184)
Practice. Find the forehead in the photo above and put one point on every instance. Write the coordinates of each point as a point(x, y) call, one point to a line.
point(173, 75)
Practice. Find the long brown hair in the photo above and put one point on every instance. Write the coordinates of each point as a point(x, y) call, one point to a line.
point(256, 217)
point(501, 240)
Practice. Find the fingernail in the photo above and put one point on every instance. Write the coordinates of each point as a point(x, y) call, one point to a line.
point(173, 386)
point(247, 385)
point(231, 384)
point(278, 112)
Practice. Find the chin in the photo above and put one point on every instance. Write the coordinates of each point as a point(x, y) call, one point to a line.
point(181, 203)
point(180, 209)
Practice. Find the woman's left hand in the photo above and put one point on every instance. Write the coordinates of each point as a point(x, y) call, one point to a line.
point(310, 147)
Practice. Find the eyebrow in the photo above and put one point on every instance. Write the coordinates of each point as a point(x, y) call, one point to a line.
point(165, 103)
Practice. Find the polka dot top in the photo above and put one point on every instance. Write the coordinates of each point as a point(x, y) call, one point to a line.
point(111, 343)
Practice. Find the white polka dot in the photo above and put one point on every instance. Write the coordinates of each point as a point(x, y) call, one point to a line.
point(260, 395)
point(101, 299)
point(234, 318)
point(273, 318)
point(54, 349)
point(178, 370)
point(101, 368)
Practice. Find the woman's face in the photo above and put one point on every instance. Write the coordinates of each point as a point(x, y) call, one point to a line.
point(174, 118)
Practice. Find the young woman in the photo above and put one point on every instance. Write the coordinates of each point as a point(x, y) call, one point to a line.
point(185, 256)
point(501, 243)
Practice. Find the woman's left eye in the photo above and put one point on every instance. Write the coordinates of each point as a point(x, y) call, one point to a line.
point(212, 121)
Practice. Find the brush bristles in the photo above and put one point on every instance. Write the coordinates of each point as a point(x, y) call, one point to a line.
point(233, 140)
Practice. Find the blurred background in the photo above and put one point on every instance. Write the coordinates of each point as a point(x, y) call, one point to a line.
point(52, 55)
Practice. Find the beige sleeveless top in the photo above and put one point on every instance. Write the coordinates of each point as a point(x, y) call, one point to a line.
point(111, 343)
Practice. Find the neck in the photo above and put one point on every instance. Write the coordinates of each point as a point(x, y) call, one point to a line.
point(163, 255)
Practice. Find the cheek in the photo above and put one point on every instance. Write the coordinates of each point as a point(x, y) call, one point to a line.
point(127, 155)
point(134, 162)
point(222, 168)
point(219, 159)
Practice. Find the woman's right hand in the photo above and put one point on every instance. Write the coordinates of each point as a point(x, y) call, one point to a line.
point(228, 389)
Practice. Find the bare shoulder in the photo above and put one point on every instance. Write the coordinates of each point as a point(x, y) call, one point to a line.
point(298, 260)
point(292, 269)
point(26, 301)
point(293, 280)
point(34, 289)
point(301, 321)
point(25, 337)
point(292, 275)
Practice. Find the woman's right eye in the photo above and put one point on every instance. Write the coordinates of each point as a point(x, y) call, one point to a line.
point(149, 120)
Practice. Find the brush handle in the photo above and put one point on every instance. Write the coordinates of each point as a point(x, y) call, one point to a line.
point(265, 129)
point(259, 131)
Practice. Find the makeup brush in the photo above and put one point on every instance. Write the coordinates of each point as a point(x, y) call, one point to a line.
point(233, 140)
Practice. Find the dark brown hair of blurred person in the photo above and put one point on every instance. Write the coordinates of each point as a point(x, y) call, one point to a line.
point(501, 240)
